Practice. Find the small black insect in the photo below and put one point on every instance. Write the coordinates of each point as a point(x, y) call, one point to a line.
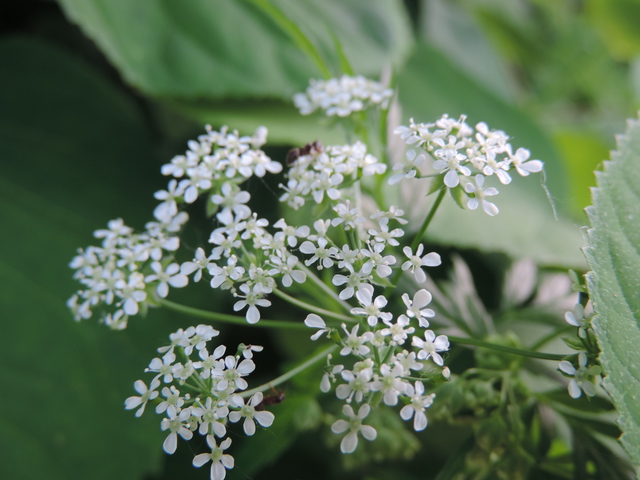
point(273, 399)
point(310, 148)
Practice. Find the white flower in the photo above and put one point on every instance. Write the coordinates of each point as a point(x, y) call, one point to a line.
point(292, 233)
point(247, 350)
point(211, 418)
point(177, 424)
point(230, 373)
point(232, 200)
point(377, 260)
point(146, 394)
point(371, 308)
point(219, 461)
point(399, 330)
point(449, 161)
point(350, 442)
point(419, 402)
point(170, 276)
point(164, 367)
point(354, 344)
point(408, 167)
point(431, 345)
point(320, 253)
point(352, 281)
point(358, 386)
point(249, 413)
point(480, 194)
point(132, 292)
point(253, 299)
point(415, 307)
point(198, 264)
point(174, 400)
point(415, 262)
point(315, 321)
point(577, 319)
point(287, 270)
point(581, 381)
point(390, 383)
point(524, 167)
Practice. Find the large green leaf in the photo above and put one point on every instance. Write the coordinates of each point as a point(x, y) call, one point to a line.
point(430, 86)
point(231, 48)
point(617, 23)
point(448, 26)
point(74, 153)
point(613, 255)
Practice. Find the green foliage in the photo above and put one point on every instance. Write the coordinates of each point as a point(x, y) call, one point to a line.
point(228, 48)
point(612, 249)
point(617, 23)
point(65, 383)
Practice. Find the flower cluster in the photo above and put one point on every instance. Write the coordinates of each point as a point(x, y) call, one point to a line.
point(342, 96)
point(124, 274)
point(383, 366)
point(326, 171)
point(463, 157)
point(202, 393)
point(119, 274)
point(586, 373)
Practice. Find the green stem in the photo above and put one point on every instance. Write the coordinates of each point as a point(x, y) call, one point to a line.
point(551, 336)
point(314, 278)
point(419, 236)
point(291, 373)
point(312, 308)
point(225, 318)
point(502, 348)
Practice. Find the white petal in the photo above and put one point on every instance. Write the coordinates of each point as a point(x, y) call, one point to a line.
point(249, 426)
point(420, 421)
point(574, 389)
point(349, 442)
point(264, 418)
point(340, 426)
point(368, 432)
point(170, 444)
point(201, 459)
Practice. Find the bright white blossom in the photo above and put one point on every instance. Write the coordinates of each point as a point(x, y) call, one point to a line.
point(354, 425)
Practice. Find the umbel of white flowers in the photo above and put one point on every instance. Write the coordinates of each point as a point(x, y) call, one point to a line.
point(381, 350)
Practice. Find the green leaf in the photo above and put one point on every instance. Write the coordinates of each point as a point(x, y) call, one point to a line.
point(74, 153)
point(617, 23)
point(583, 152)
point(286, 125)
point(612, 251)
point(298, 412)
point(431, 86)
point(230, 48)
point(450, 28)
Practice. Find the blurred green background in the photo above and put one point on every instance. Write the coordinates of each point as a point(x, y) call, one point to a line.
point(95, 95)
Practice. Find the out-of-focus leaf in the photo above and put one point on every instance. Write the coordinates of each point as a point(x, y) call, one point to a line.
point(295, 414)
point(450, 28)
point(612, 251)
point(617, 22)
point(286, 125)
point(73, 150)
point(582, 152)
point(231, 48)
point(586, 404)
point(525, 227)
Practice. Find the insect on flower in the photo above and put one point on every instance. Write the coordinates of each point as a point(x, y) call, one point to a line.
point(295, 153)
point(276, 397)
